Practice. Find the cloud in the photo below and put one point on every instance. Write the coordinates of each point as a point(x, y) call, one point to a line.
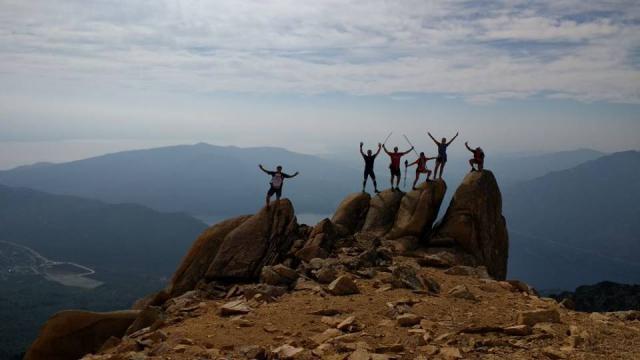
point(479, 51)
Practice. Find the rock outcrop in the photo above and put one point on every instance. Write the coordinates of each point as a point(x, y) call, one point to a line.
point(475, 222)
point(418, 210)
point(382, 212)
point(320, 243)
point(262, 239)
point(350, 214)
point(71, 334)
point(195, 264)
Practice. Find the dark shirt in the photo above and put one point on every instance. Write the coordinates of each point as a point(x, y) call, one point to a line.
point(442, 149)
point(277, 179)
point(368, 161)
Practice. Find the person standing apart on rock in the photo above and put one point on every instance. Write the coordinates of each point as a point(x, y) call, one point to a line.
point(478, 157)
point(369, 159)
point(421, 168)
point(395, 165)
point(277, 181)
point(441, 160)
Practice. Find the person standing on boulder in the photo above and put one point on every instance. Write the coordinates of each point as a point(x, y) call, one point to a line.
point(441, 160)
point(421, 168)
point(369, 159)
point(394, 167)
point(478, 157)
point(277, 181)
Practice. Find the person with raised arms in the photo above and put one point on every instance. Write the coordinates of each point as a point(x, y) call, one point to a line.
point(441, 160)
point(277, 181)
point(369, 159)
point(478, 157)
point(394, 167)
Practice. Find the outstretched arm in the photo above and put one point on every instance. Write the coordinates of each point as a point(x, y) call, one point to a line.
point(450, 141)
point(385, 149)
point(466, 143)
point(432, 138)
point(408, 151)
point(411, 164)
point(361, 152)
point(264, 170)
point(379, 148)
point(290, 176)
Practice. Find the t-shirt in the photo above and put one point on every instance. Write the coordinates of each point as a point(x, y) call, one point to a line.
point(442, 149)
point(422, 164)
point(395, 159)
point(277, 179)
point(368, 161)
point(478, 154)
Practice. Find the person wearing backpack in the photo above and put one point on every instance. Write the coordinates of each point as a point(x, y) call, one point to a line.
point(277, 181)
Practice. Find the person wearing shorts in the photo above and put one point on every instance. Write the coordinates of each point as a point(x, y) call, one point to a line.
point(394, 167)
point(421, 168)
point(276, 183)
point(441, 160)
point(369, 159)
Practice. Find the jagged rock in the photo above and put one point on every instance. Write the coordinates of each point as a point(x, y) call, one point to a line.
point(343, 285)
point(406, 276)
point(287, 352)
point(262, 239)
point(474, 220)
point(326, 274)
point(522, 286)
point(146, 318)
point(462, 292)
point(517, 330)
point(382, 212)
point(418, 210)
point(533, 317)
point(320, 243)
point(254, 352)
point(450, 353)
point(195, 264)
point(408, 319)
point(269, 292)
point(462, 270)
point(439, 260)
point(278, 275)
point(236, 307)
point(351, 213)
point(349, 325)
point(71, 334)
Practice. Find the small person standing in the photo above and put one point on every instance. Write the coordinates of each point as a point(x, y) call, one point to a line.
point(277, 181)
point(441, 161)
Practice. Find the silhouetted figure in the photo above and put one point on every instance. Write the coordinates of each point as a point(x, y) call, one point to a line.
point(421, 168)
point(395, 165)
point(369, 159)
point(441, 160)
point(277, 181)
point(478, 158)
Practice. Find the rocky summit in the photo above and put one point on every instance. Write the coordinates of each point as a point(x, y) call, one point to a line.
point(376, 281)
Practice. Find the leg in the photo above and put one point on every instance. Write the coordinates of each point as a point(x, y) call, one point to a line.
point(442, 168)
point(435, 170)
point(364, 183)
point(428, 174)
point(269, 194)
point(480, 165)
point(415, 181)
point(471, 162)
point(278, 195)
point(375, 184)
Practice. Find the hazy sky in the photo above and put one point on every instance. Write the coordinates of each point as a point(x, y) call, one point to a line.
point(80, 77)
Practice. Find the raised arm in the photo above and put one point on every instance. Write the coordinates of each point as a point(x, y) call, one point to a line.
point(379, 148)
point(466, 143)
point(361, 145)
point(385, 149)
point(290, 176)
point(408, 151)
point(265, 170)
point(450, 141)
point(432, 138)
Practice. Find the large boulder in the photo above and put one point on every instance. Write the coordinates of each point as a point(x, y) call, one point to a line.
point(263, 239)
point(474, 221)
point(350, 214)
point(71, 334)
point(418, 210)
point(320, 243)
point(195, 264)
point(382, 212)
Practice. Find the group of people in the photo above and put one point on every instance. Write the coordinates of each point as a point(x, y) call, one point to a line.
point(477, 164)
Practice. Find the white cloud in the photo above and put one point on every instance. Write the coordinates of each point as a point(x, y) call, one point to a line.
point(480, 51)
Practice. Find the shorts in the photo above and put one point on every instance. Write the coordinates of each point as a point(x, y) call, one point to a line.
point(395, 171)
point(276, 191)
point(442, 159)
point(369, 173)
point(422, 171)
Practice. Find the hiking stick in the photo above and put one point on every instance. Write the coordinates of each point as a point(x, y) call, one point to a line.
point(413, 147)
point(388, 136)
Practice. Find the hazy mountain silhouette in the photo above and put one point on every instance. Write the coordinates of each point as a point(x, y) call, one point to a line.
point(577, 226)
point(199, 179)
point(95, 234)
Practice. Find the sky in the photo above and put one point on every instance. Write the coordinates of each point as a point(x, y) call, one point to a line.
point(81, 78)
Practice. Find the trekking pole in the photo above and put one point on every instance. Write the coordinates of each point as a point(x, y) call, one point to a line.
point(388, 136)
point(413, 147)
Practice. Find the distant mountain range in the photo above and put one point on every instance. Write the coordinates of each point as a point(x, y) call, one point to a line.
point(199, 179)
point(577, 226)
point(93, 233)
